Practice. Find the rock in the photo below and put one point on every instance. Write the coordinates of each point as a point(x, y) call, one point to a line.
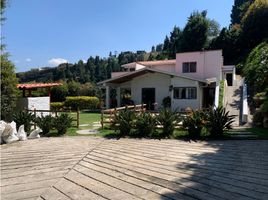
point(35, 133)
point(22, 135)
point(8, 134)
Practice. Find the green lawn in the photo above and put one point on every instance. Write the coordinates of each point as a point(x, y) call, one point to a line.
point(261, 132)
point(86, 120)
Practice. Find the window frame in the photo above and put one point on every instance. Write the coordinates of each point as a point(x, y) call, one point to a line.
point(189, 94)
point(189, 67)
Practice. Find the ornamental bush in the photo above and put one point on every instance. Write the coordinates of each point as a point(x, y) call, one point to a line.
point(24, 118)
point(168, 119)
point(62, 123)
point(82, 102)
point(145, 124)
point(219, 121)
point(56, 106)
point(194, 123)
point(124, 122)
point(45, 123)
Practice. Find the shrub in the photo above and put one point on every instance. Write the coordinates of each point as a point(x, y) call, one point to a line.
point(62, 123)
point(168, 119)
point(45, 123)
point(258, 119)
point(124, 121)
point(82, 102)
point(219, 120)
point(194, 123)
point(59, 93)
point(145, 124)
point(56, 106)
point(24, 118)
point(166, 103)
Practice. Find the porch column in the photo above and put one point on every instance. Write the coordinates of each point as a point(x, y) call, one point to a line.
point(107, 97)
point(118, 96)
point(171, 93)
point(217, 95)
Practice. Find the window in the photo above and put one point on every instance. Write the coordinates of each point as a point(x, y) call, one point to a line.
point(189, 67)
point(185, 93)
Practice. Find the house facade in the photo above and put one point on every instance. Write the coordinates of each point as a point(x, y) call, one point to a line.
point(190, 80)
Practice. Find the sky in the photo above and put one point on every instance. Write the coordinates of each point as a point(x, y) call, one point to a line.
point(41, 33)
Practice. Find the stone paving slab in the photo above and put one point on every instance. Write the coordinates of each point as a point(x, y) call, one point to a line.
point(97, 168)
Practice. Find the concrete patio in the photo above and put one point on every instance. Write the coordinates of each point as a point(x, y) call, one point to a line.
point(97, 168)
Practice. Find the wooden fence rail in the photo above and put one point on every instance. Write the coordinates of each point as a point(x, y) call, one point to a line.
point(107, 115)
point(55, 112)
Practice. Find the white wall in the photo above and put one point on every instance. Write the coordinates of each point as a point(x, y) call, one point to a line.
point(138, 66)
point(158, 81)
point(167, 68)
point(38, 103)
point(180, 104)
point(209, 64)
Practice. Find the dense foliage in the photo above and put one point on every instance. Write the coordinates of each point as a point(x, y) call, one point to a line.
point(219, 121)
point(24, 118)
point(124, 122)
point(145, 125)
point(195, 33)
point(82, 102)
point(54, 106)
point(168, 119)
point(62, 123)
point(8, 88)
point(45, 123)
point(239, 9)
point(256, 68)
point(194, 123)
point(255, 24)
point(8, 77)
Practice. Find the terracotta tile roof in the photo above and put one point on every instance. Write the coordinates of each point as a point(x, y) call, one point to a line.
point(37, 85)
point(158, 62)
point(151, 63)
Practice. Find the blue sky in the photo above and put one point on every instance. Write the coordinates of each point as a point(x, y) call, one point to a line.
point(42, 33)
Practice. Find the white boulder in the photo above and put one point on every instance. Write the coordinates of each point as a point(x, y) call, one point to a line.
point(35, 133)
point(22, 135)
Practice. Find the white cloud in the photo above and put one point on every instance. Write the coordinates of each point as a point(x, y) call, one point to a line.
point(84, 61)
point(28, 59)
point(57, 61)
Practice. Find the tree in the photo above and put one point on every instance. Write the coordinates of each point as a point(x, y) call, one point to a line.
point(166, 45)
point(2, 9)
point(153, 49)
point(194, 35)
point(8, 88)
point(59, 93)
point(230, 43)
point(8, 80)
point(159, 48)
point(213, 28)
point(175, 42)
point(255, 24)
point(256, 68)
point(240, 7)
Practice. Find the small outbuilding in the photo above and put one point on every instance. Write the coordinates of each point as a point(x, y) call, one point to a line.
point(30, 102)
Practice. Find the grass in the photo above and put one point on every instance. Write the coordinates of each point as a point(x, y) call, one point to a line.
point(85, 119)
point(262, 133)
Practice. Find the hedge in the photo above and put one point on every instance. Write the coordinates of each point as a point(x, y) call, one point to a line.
point(82, 102)
point(56, 106)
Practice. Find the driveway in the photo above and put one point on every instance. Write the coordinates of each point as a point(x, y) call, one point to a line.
point(97, 168)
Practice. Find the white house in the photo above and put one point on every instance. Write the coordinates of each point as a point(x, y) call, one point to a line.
point(190, 80)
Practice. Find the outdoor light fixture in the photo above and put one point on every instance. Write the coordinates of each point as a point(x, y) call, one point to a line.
point(170, 87)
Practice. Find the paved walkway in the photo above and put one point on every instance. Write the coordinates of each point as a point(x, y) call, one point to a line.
point(97, 168)
point(233, 100)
